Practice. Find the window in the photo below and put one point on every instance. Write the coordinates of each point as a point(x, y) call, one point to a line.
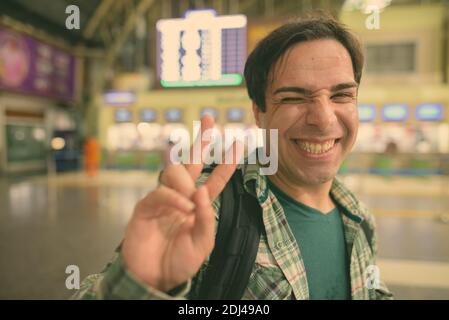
point(390, 58)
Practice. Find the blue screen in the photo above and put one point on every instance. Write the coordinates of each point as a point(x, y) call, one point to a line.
point(429, 111)
point(148, 115)
point(123, 116)
point(212, 111)
point(395, 112)
point(367, 112)
point(235, 114)
point(173, 115)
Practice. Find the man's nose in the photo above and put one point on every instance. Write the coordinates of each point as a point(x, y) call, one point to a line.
point(320, 113)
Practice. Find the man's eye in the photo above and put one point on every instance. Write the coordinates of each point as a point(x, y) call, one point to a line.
point(292, 100)
point(343, 97)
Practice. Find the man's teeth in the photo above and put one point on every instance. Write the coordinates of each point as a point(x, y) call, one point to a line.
point(315, 148)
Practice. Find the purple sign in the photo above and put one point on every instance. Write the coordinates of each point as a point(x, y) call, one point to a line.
point(30, 66)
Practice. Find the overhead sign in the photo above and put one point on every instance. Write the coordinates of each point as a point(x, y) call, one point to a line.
point(201, 49)
point(123, 115)
point(367, 112)
point(429, 112)
point(173, 115)
point(235, 114)
point(395, 112)
point(148, 115)
point(119, 98)
point(30, 66)
point(211, 111)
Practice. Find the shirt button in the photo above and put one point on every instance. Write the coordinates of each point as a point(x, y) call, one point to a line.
point(280, 245)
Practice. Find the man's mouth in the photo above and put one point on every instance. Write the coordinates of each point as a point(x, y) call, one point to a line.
point(315, 147)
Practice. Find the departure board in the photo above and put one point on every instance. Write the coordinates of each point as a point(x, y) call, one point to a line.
point(201, 49)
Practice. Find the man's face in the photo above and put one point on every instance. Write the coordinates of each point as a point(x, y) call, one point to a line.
point(312, 101)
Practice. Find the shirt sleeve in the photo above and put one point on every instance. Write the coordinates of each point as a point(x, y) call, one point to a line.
point(117, 283)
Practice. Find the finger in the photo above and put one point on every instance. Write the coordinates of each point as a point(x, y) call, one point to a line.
point(173, 221)
point(194, 169)
point(178, 178)
point(220, 176)
point(203, 232)
point(164, 196)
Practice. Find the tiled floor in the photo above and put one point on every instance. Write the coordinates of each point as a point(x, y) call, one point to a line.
point(48, 223)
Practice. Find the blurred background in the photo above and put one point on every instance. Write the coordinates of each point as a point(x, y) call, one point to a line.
point(87, 106)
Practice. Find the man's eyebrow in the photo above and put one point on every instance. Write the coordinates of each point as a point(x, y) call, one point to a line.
point(337, 87)
point(293, 89)
point(342, 86)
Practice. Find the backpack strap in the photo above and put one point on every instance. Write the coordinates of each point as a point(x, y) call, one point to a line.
point(236, 243)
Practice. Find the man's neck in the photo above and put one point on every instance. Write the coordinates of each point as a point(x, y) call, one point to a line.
point(314, 196)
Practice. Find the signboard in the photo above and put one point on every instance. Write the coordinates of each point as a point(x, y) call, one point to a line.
point(123, 115)
point(395, 112)
point(211, 111)
point(30, 66)
point(429, 112)
point(201, 49)
point(235, 114)
point(148, 115)
point(367, 112)
point(119, 98)
point(173, 115)
point(25, 142)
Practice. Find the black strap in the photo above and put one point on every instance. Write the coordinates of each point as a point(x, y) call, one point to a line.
point(236, 243)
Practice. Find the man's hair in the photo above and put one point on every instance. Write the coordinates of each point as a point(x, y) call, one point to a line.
point(271, 48)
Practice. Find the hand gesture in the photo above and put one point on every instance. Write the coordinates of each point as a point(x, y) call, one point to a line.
point(172, 230)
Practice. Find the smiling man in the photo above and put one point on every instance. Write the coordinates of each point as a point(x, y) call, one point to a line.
point(311, 98)
point(318, 241)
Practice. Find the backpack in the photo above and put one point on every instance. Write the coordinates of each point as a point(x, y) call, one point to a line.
point(236, 243)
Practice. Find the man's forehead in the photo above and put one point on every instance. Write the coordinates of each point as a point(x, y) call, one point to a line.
point(317, 50)
point(314, 64)
point(317, 62)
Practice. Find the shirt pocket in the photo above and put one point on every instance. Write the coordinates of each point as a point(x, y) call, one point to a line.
point(267, 281)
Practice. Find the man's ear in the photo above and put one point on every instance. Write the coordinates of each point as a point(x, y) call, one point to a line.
point(257, 114)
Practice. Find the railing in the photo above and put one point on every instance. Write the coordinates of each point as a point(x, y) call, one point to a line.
point(361, 166)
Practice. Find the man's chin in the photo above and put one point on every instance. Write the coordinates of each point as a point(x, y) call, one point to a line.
point(315, 179)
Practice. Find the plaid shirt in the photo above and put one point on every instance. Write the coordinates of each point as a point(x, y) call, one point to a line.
point(279, 271)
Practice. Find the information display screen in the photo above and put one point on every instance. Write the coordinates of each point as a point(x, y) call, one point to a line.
point(173, 115)
point(148, 115)
point(235, 114)
point(123, 115)
point(367, 112)
point(395, 112)
point(201, 49)
point(429, 112)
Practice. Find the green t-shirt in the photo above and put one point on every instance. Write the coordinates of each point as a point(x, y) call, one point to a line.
point(321, 240)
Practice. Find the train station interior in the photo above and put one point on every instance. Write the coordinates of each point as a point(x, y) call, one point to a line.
point(91, 90)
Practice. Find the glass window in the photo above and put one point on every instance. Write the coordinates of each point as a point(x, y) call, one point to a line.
point(390, 58)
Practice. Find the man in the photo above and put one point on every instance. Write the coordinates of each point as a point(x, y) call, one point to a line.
point(303, 80)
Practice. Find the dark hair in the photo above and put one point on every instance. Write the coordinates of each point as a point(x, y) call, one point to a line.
point(271, 48)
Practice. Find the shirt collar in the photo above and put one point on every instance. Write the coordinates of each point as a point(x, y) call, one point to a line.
point(256, 184)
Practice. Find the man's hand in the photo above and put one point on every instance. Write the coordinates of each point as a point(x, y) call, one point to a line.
point(172, 229)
